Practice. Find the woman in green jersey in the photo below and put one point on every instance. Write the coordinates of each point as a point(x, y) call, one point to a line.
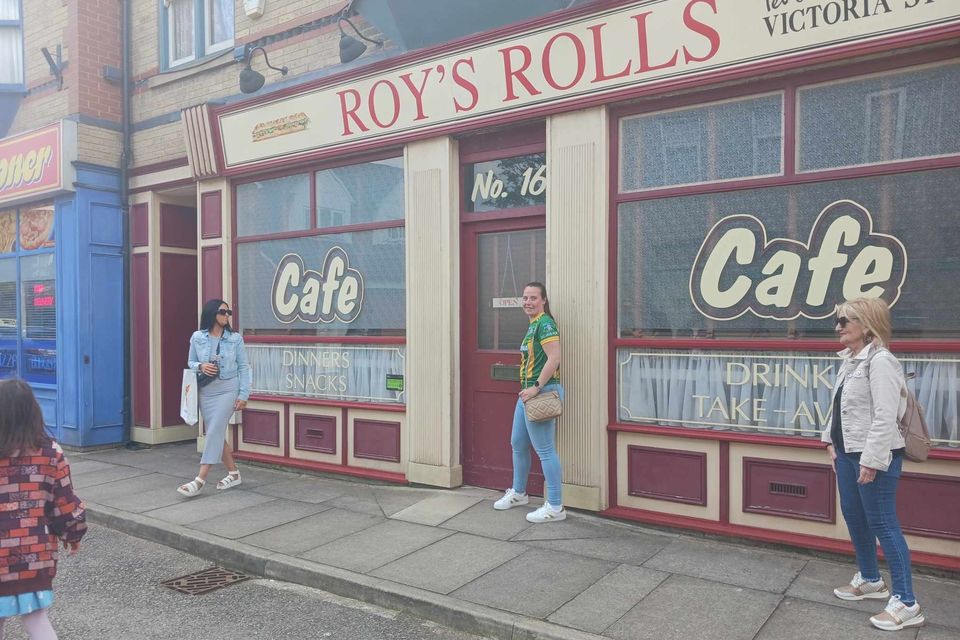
point(539, 371)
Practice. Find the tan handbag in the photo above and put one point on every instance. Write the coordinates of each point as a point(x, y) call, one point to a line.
point(543, 406)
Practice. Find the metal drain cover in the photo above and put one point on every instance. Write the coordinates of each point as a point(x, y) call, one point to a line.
point(195, 584)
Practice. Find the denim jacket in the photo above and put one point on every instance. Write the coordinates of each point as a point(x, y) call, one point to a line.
point(233, 357)
point(871, 402)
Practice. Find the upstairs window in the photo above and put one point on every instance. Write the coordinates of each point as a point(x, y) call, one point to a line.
point(11, 45)
point(193, 29)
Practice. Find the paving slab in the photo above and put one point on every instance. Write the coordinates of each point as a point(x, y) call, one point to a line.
point(80, 465)
point(137, 494)
point(302, 489)
point(366, 550)
point(209, 503)
point(437, 508)
point(940, 600)
point(102, 476)
point(536, 583)
point(311, 532)
point(933, 632)
point(394, 499)
point(608, 599)
point(571, 528)
point(681, 608)
point(740, 566)
point(627, 549)
point(450, 563)
point(483, 520)
point(245, 522)
point(359, 500)
point(804, 619)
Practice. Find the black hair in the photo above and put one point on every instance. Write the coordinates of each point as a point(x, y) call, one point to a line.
point(543, 294)
point(22, 429)
point(208, 317)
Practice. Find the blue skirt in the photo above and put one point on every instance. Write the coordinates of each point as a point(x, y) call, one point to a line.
point(25, 603)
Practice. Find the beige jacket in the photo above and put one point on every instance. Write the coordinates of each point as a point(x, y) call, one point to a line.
point(871, 403)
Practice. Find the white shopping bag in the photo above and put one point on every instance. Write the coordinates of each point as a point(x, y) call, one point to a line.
point(188, 397)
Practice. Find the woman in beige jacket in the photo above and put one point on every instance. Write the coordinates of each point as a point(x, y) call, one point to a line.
point(866, 447)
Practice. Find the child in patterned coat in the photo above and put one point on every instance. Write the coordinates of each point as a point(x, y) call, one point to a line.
point(38, 509)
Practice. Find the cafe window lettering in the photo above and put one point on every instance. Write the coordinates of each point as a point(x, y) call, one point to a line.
point(28, 294)
point(770, 261)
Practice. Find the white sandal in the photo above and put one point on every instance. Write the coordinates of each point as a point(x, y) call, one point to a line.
point(191, 488)
point(231, 480)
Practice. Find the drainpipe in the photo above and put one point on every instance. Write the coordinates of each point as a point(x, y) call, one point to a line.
point(125, 218)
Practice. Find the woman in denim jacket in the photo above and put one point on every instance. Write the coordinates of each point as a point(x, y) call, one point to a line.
point(217, 351)
point(866, 447)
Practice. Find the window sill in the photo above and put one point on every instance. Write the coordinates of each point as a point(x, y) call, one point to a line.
point(196, 67)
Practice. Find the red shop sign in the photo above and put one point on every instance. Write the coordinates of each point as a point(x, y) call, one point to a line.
point(31, 163)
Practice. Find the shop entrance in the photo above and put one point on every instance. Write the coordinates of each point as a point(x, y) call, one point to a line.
point(503, 244)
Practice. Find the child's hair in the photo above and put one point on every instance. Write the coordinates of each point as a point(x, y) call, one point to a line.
point(21, 421)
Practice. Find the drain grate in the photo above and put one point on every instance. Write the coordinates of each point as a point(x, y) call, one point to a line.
point(195, 584)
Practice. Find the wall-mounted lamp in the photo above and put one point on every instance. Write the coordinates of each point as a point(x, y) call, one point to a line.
point(56, 65)
point(250, 80)
point(350, 47)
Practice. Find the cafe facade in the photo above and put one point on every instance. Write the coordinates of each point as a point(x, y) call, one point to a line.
point(698, 182)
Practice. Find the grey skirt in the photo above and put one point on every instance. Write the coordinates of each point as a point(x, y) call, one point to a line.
point(216, 405)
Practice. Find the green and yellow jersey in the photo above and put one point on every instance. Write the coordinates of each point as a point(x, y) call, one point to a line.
point(542, 330)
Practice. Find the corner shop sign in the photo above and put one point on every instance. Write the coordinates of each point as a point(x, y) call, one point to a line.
point(37, 162)
point(611, 52)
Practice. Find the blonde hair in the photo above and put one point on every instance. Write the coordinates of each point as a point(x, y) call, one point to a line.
point(873, 314)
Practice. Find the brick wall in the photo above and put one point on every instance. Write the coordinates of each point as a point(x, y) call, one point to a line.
point(88, 32)
point(159, 95)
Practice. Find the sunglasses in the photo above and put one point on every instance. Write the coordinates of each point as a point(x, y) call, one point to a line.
point(842, 321)
point(227, 312)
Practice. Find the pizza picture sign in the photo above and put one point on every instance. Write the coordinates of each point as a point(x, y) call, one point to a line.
point(36, 228)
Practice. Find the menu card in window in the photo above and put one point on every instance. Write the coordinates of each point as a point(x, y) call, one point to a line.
point(36, 228)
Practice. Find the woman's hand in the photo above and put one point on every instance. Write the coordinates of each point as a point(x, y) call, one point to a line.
point(867, 475)
point(209, 369)
point(239, 405)
point(832, 452)
point(529, 392)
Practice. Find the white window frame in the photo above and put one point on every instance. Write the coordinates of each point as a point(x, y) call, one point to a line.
point(202, 16)
point(15, 24)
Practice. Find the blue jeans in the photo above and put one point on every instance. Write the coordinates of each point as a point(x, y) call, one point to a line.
point(541, 436)
point(870, 511)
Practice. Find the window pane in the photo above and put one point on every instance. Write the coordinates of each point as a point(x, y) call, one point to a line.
point(36, 228)
point(284, 289)
point(220, 16)
point(8, 317)
point(181, 29)
point(359, 193)
point(38, 297)
point(505, 262)
point(8, 231)
point(9, 9)
point(880, 119)
point(520, 181)
point(716, 142)
point(11, 56)
point(781, 393)
point(273, 206)
point(701, 266)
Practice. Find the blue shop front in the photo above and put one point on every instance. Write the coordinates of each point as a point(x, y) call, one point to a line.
point(62, 293)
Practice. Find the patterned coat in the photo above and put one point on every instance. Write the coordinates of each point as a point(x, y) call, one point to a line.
point(37, 509)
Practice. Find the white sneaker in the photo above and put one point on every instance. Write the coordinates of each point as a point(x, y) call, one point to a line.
point(547, 513)
point(511, 499)
point(860, 589)
point(898, 615)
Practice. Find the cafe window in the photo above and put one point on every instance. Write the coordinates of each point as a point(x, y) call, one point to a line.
point(338, 268)
point(717, 142)
point(883, 118)
point(713, 263)
point(28, 294)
